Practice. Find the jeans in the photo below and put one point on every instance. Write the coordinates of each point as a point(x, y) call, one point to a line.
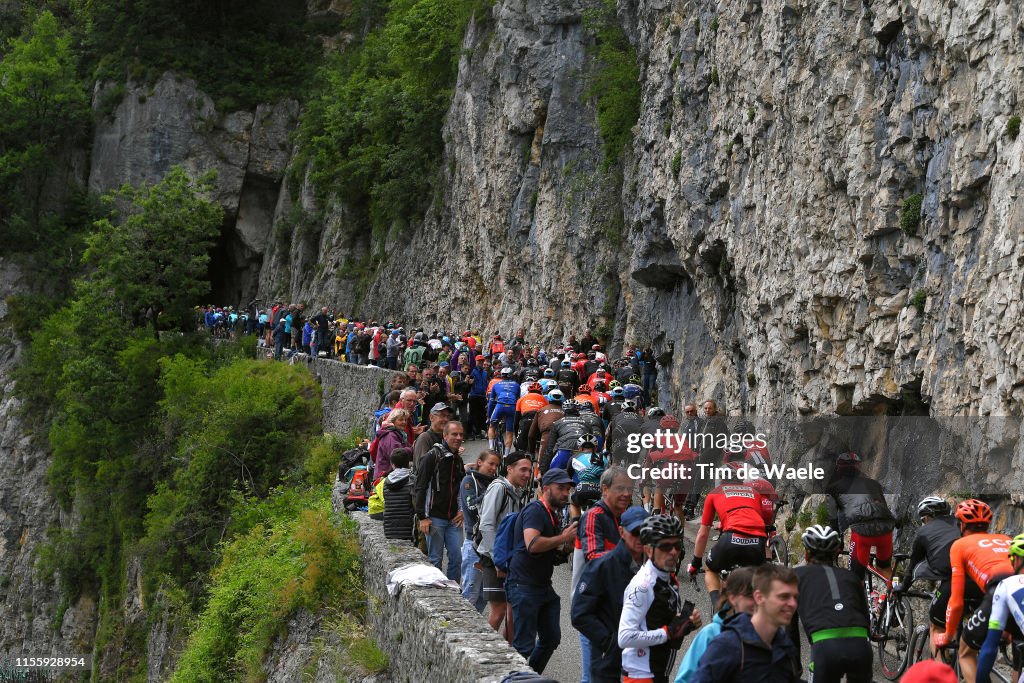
point(535, 616)
point(278, 347)
point(585, 658)
point(444, 534)
point(472, 581)
point(650, 381)
point(392, 362)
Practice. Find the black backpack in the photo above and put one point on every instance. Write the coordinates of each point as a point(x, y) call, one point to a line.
point(351, 458)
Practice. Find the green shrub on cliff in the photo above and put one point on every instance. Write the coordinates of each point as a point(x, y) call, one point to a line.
point(910, 214)
point(373, 128)
point(616, 80)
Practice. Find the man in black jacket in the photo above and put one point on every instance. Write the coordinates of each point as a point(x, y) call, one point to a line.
point(439, 474)
point(597, 602)
point(857, 502)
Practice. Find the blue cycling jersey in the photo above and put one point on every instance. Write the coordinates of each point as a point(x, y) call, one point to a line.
point(505, 392)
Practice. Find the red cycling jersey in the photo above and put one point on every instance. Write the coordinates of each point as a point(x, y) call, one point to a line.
point(739, 508)
point(768, 498)
point(982, 557)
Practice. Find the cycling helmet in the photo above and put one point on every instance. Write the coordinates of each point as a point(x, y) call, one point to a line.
point(629, 404)
point(571, 407)
point(933, 506)
point(599, 386)
point(974, 511)
point(586, 441)
point(506, 372)
point(821, 539)
point(1017, 546)
point(556, 396)
point(745, 427)
point(658, 527)
point(531, 361)
point(534, 387)
point(591, 355)
point(419, 337)
point(848, 461)
point(633, 379)
point(669, 422)
point(584, 389)
point(530, 377)
point(615, 384)
point(585, 406)
point(617, 392)
point(550, 372)
point(566, 363)
point(655, 411)
point(735, 454)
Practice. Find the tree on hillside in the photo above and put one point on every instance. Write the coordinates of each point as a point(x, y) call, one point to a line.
point(153, 261)
point(43, 105)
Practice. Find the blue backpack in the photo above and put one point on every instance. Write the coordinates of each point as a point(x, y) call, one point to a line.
point(505, 541)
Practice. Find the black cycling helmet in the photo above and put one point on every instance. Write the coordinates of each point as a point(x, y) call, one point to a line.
point(655, 411)
point(629, 404)
point(848, 461)
point(658, 527)
point(933, 506)
point(821, 539)
point(585, 406)
point(735, 454)
point(586, 441)
point(571, 407)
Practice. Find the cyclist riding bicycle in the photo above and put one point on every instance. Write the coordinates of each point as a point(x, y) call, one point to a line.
point(563, 437)
point(502, 406)
point(984, 559)
point(929, 560)
point(744, 536)
point(834, 610)
point(586, 467)
point(654, 621)
point(527, 408)
point(622, 432)
point(1007, 602)
point(857, 502)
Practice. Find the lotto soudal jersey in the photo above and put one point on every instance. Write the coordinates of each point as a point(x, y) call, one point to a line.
point(738, 506)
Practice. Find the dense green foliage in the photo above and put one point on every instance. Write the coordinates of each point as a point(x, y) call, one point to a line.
point(373, 129)
point(153, 262)
point(292, 556)
point(43, 105)
point(241, 52)
point(616, 81)
point(1013, 127)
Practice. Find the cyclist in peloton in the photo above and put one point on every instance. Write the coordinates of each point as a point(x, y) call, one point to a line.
point(857, 503)
point(744, 536)
point(653, 625)
point(593, 423)
point(620, 430)
point(527, 409)
point(834, 610)
point(563, 437)
point(980, 557)
point(1007, 602)
point(929, 560)
point(502, 406)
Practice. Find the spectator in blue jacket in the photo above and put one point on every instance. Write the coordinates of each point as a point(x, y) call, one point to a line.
point(737, 598)
point(597, 602)
point(479, 377)
point(757, 648)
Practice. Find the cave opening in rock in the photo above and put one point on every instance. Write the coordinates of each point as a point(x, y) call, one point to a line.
point(233, 270)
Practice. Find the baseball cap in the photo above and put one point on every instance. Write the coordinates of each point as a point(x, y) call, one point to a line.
point(440, 406)
point(556, 475)
point(633, 518)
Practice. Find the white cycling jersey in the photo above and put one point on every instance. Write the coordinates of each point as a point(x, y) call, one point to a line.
point(1007, 601)
point(635, 639)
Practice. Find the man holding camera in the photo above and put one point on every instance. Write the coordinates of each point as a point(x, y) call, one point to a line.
point(540, 544)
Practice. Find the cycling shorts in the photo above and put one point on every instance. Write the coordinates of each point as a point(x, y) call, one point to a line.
point(736, 550)
point(976, 626)
point(860, 549)
point(561, 460)
point(508, 413)
point(937, 609)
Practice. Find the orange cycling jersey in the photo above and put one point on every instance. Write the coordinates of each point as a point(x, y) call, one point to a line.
point(983, 558)
point(531, 403)
point(739, 508)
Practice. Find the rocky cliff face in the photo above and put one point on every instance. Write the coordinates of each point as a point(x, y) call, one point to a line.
point(34, 623)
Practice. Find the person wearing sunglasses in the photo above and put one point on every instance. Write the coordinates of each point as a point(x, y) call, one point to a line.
point(654, 618)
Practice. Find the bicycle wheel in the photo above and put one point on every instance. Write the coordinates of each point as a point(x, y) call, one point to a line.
point(918, 650)
point(779, 549)
point(896, 633)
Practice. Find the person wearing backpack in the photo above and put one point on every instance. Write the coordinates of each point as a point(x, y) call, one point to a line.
point(504, 498)
point(539, 544)
point(471, 492)
point(439, 474)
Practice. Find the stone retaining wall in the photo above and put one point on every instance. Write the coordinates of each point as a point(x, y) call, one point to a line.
point(429, 634)
point(351, 392)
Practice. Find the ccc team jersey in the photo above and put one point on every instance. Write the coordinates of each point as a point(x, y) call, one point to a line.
point(980, 557)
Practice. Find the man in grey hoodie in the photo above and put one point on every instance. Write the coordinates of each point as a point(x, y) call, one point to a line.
point(504, 496)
